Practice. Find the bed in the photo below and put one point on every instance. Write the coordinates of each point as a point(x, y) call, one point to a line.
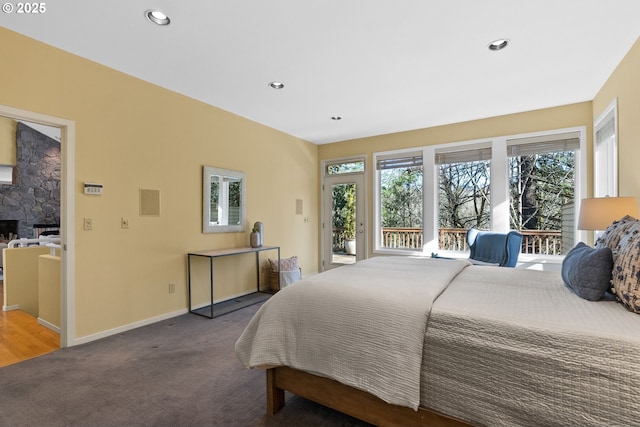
point(418, 341)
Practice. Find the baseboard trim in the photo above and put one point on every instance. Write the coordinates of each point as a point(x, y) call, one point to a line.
point(130, 326)
point(10, 307)
point(48, 325)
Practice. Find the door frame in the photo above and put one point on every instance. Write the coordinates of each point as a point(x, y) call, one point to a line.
point(361, 206)
point(67, 214)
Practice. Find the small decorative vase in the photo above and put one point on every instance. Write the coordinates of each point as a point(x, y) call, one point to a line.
point(254, 239)
point(259, 228)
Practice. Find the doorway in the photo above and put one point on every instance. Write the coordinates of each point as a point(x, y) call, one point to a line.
point(67, 141)
point(343, 216)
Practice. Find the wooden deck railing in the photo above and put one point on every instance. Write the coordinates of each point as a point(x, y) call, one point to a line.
point(541, 242)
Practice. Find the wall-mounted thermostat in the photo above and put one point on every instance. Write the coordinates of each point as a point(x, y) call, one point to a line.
point(93, 188)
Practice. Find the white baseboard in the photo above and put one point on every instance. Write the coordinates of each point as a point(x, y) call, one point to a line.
point(145, 322)
point(130, 326)
point(49, 325)
point(10, 307)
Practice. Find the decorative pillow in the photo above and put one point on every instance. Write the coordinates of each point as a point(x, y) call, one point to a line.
point(626, 271)
point(286, 264)
point(615, 232)
point(587, 271)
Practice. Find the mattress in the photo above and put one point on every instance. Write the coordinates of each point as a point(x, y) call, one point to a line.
point(513, 347)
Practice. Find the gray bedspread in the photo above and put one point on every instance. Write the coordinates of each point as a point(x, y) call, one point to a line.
point(512, 347)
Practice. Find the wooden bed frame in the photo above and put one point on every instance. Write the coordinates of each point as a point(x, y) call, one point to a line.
point(348, 400)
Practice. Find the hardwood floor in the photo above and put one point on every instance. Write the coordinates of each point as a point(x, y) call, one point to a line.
point(22, 337)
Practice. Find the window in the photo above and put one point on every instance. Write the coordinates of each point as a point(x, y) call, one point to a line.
point(344, 167)
point(542, 183)
point(605, 169)
point(529, 183)
point(464, 196)
point(399, 218)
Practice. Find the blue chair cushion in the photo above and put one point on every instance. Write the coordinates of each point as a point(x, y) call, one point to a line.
point(494, 248)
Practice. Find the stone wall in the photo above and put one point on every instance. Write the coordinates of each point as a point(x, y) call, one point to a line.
point(34, 197)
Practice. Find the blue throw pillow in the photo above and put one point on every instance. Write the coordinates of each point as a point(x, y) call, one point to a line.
point(587, 271)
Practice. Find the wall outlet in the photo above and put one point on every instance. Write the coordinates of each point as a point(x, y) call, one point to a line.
point(87, 223)
point(124, 222)
point(172, 288)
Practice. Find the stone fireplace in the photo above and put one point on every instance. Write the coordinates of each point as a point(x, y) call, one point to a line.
point(32, 202)
point(8, 229)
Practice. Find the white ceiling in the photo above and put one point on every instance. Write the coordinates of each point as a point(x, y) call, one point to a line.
point(384, 66)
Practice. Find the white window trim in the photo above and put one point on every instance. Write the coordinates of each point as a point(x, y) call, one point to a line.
point(324, 164)
point(610, 113)
point(377, 228)
point(499, 190)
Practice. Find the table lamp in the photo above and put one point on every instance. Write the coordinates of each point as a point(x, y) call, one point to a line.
point(598, 213)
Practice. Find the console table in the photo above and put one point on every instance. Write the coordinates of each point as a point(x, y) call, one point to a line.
point(218, 253)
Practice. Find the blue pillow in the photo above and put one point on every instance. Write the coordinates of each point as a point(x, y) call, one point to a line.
point(587, 271)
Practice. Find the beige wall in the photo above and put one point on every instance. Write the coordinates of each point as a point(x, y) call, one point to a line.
point(8, 128)
point(20, 275)
point(624, 84)
point(49, 290)
point(131, 135)
point(533, 121)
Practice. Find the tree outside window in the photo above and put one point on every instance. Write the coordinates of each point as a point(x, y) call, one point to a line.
point(465, 195)
point(537, 195)
point(401, 203)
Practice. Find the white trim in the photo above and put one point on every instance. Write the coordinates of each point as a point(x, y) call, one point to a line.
point(130, 326)
point(429, 198)
point(67, 214)
point(48, 325)
point(323, 174)
point(609, 113)
point(207, 225)
point(10, 307)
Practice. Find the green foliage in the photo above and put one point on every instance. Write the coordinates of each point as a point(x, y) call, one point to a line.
point(401, 197)
point(355, 166)
point(339, 198)
point(350, 212)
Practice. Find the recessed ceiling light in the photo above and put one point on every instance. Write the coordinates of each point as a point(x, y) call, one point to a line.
point(276, 85)
point(336, 118)
point(157, 17)
point(498, 44)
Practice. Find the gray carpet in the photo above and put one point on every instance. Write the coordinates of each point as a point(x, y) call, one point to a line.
point(179, 372)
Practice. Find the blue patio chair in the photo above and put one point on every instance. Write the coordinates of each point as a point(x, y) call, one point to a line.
point(493, 248)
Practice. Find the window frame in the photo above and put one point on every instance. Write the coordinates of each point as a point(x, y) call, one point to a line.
point(480, 149)
point(377, 202)
point(499, 189)
point(608, 173)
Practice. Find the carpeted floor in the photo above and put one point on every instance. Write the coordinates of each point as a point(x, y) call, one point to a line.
point(179, 372)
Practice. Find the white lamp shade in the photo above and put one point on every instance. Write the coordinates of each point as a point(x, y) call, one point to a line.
point(599, 213)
